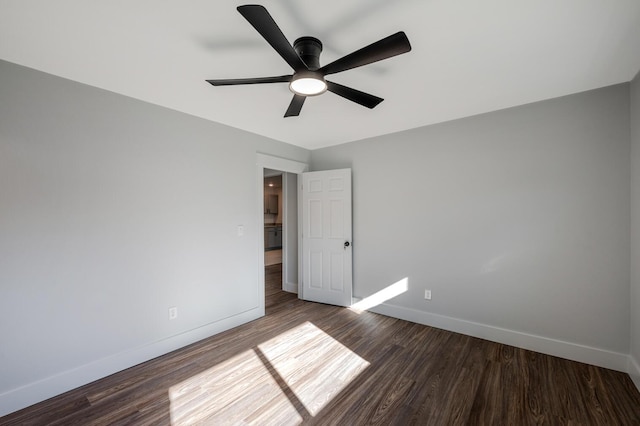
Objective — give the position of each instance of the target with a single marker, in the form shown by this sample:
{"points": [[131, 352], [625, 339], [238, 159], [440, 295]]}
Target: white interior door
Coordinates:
{"points": [[326, 237]]}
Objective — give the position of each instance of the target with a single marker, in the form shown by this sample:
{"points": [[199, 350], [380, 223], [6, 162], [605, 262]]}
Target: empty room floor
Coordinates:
{"points": [[309, 363]]}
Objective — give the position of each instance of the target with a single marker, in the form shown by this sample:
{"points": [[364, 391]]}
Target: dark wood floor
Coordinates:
{"points": [[308, 363]]}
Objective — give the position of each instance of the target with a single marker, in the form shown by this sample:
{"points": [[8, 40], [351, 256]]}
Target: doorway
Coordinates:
{"points": [[273, 230], [280, 220], [290, 170]]}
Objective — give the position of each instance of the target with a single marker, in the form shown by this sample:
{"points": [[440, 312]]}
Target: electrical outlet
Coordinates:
{"points": [[427, 294], [240, 230], [173, 313]]}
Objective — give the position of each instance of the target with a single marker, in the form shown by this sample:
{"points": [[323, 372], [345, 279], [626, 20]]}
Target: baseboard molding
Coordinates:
{"points": [[634, 371], [290, 287], [575, 352], [17, 399]]}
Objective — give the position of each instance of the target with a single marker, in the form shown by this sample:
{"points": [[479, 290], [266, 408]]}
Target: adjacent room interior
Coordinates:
{"points": [[156, 228]]}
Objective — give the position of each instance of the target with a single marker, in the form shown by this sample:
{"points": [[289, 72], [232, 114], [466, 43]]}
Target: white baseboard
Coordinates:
{"points": [[634, 371], [32, 393], [581, 353], [290, 287]]}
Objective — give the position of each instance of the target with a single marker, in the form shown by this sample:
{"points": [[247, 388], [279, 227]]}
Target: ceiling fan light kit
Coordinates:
{"points": [[308, 78], [308, 84]]}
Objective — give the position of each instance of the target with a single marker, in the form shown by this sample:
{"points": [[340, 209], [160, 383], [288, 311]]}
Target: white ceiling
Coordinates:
{"points": [[468, 56]]}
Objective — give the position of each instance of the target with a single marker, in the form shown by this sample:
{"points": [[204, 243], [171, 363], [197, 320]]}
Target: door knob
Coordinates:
{"points": [[346, 244]]}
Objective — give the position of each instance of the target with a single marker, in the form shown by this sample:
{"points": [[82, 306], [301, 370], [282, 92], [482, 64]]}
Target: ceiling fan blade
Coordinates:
{"points": [[354, 95], [393, 45], [263, 23], [295, 106], [257, 80]]}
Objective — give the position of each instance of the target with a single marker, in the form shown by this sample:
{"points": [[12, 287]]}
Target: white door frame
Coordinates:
{"points": [[265, 161]]}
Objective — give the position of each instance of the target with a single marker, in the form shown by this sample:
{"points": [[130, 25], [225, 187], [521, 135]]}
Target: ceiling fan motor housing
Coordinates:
{"points": [[309, 49]]}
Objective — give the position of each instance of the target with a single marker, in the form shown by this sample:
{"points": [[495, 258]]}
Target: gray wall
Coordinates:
{"points": [[634, 367], [517, 220], [111, 211]]}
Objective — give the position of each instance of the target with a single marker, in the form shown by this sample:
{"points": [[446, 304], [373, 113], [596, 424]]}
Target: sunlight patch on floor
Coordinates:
{"points": [[382, 296], [283, 381], [240, 390], [314, 366]]}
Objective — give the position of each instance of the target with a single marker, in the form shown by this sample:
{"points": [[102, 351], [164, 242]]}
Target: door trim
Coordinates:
{"points": [[266, 161]]}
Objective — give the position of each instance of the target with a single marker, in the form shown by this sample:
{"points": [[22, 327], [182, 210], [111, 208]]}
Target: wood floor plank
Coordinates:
{"points": [[309, 363]]}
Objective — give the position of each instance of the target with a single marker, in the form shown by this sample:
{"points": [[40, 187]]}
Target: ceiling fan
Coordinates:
{"points": [[308, 76]]}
